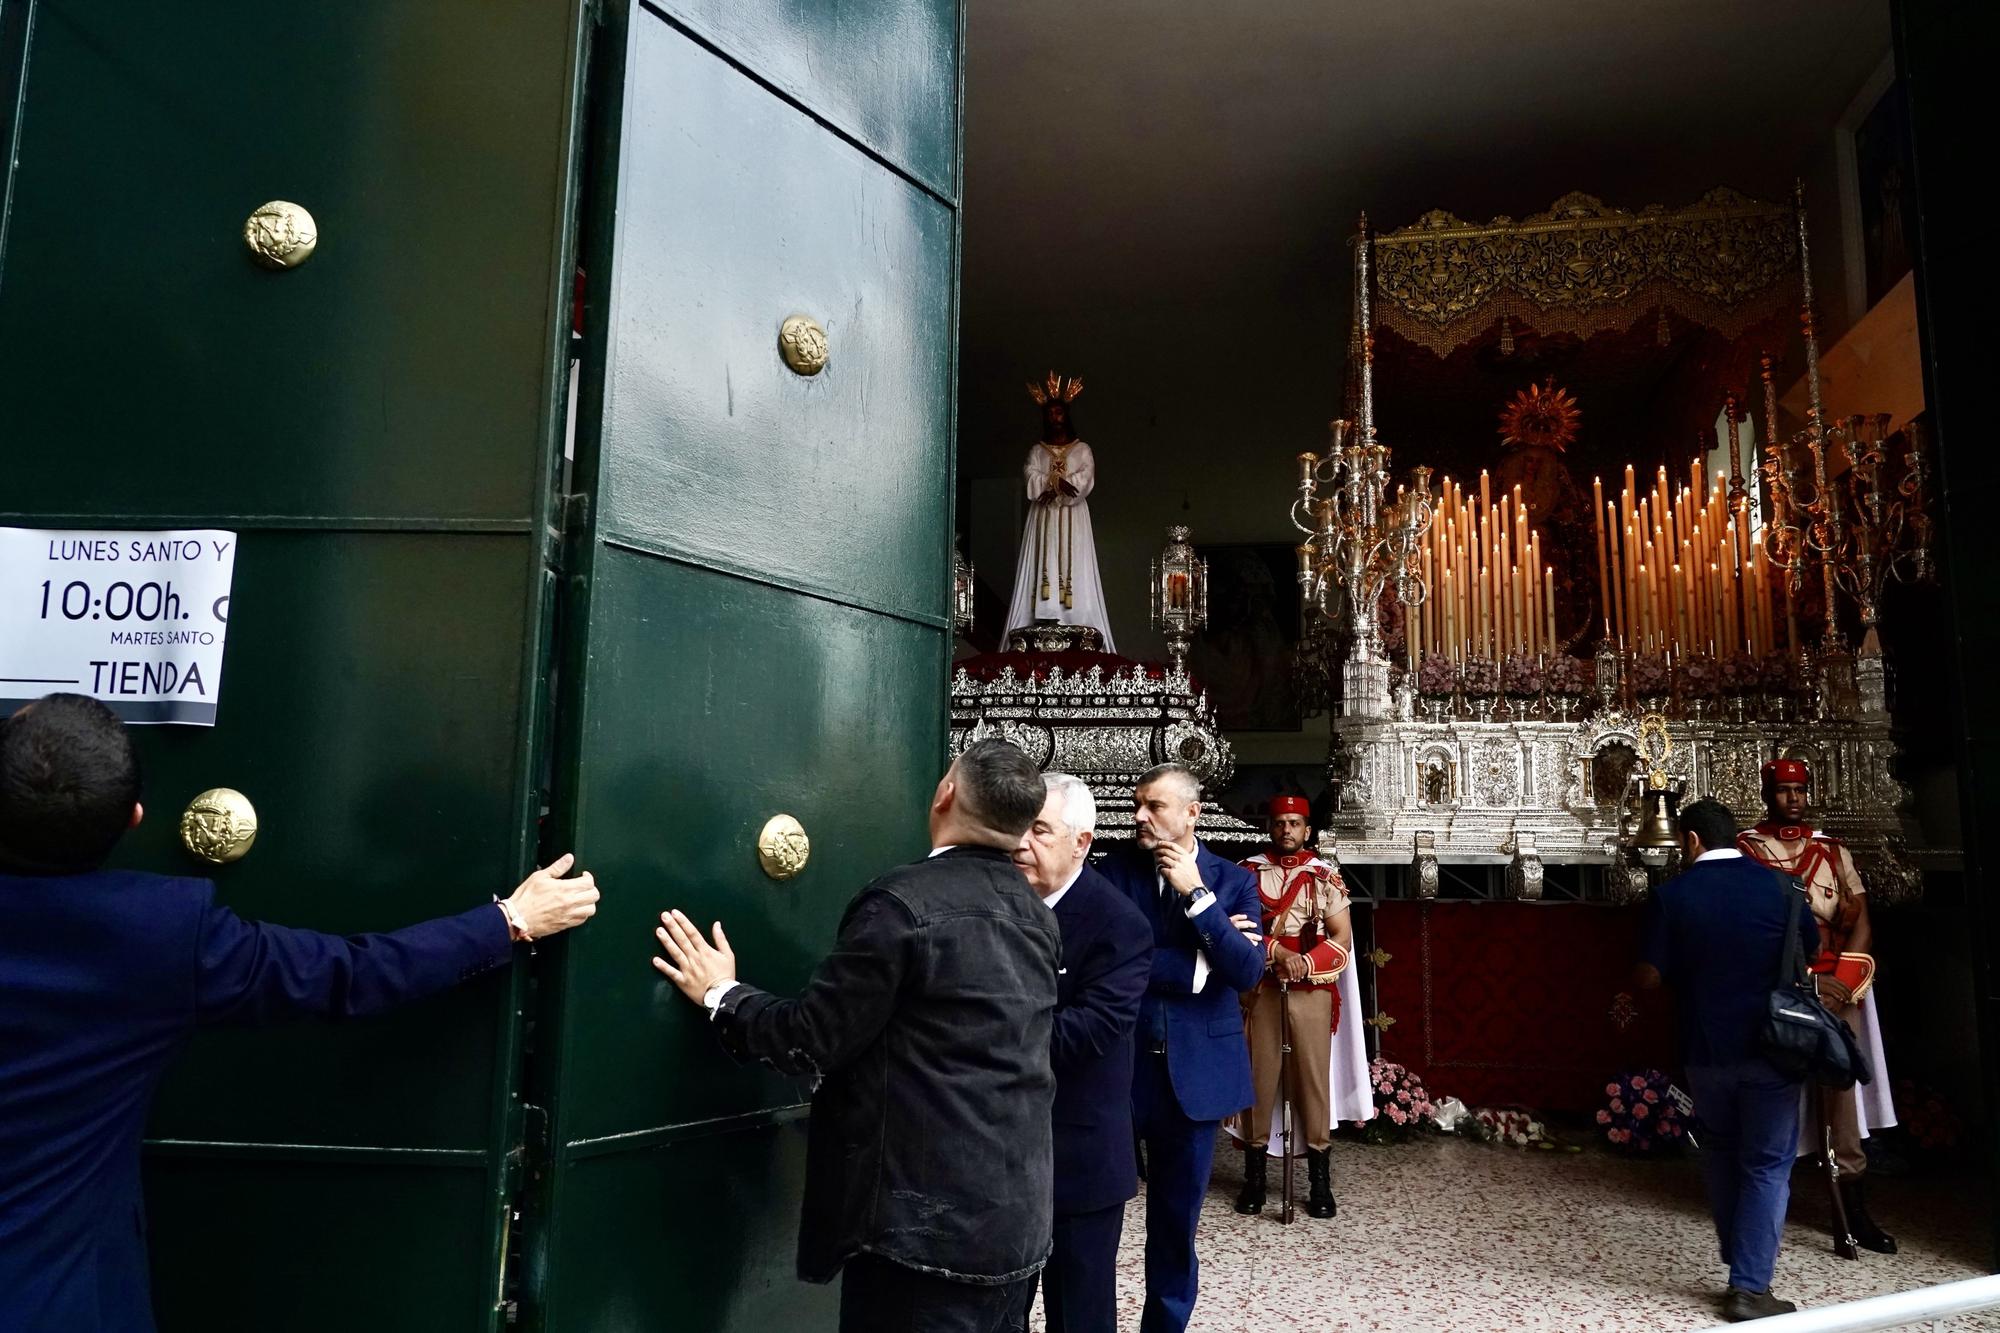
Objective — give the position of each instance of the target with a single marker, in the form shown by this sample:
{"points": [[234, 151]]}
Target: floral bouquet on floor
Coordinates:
{"points": [[1511, 1125], [1402, 1107], [1644, 1114], [1928, 1121]]}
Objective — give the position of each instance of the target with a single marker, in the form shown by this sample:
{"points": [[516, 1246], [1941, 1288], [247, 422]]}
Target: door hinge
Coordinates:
{"points": [[568, 523], [534, 1147]]}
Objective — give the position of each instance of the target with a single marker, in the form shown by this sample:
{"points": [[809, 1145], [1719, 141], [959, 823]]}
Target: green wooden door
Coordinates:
{"points": [[760, 607], [381, 426]]}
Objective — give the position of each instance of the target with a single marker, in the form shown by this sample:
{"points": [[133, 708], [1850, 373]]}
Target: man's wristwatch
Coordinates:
{"points": [[515, 929]]}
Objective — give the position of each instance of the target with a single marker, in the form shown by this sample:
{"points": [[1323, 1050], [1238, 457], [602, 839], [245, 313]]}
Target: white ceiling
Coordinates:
{"points": [[1119, 148]]}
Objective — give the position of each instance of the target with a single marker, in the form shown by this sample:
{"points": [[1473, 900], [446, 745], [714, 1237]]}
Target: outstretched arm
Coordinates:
{"points": [[252, 972], [845, 1005]]}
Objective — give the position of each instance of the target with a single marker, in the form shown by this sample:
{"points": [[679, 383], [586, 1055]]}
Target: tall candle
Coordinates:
{"points": [[1680, 609], [1549, 606], [1617, 604], [1603, 567]]}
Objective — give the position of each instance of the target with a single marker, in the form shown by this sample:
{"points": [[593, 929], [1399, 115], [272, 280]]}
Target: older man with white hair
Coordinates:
{"points": [[1107, 956]]}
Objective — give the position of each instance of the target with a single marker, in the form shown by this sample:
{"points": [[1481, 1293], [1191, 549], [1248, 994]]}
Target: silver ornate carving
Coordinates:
{"points": [[1504, 781], [1524, 872], [1424, 866], [1105, 727]]}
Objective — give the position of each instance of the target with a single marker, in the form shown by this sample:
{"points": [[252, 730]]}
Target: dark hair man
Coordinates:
{"points": [[1107, 955], [1716, 934], [1193, 1067], [1786, 841], [928, 1161], [103, 973]]}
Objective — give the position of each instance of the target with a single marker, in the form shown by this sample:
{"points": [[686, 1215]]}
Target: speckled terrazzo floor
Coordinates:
{"points": [[1442, 1234]]}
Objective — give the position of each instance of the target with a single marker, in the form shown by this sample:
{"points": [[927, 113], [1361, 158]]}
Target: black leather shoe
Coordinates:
{"points": [[1740, 1305], [1319, 1171], [1250, 1199], [1854, 1193]]}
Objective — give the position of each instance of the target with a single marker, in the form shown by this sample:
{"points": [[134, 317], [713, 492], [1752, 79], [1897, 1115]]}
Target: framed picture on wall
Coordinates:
{"points": [[1886, 189], [1244, 658], [1877, 189]]}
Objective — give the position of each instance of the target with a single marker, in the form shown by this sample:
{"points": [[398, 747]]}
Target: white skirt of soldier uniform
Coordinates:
{"points": [[1352, 1097], [1877, 1108]]}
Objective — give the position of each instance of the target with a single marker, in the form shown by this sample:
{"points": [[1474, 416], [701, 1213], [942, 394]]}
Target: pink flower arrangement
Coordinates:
{"points": [[1572, 675], [1781, 672], [1401, 1103], [1650, 674], [1481, 676], [1521, 675], [1643, 1113], [1700, 677], [1436, 675], [1928, 1119], [1741, 672]]}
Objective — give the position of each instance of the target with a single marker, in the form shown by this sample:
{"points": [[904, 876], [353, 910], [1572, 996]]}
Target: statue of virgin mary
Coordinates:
{"points": [[1056, 576]]}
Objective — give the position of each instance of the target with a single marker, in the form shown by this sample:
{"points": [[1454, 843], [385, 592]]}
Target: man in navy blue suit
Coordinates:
{"points": [[1193, 1065], [1716, 935], [1107, 951], [104, 973]]}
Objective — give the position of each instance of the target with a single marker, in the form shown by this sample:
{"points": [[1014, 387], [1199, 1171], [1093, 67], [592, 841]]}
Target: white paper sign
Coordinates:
{"points": [[136, 619]]}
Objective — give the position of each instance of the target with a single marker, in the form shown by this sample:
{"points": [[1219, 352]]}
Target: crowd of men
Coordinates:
{"points": [[1005, 1033]]}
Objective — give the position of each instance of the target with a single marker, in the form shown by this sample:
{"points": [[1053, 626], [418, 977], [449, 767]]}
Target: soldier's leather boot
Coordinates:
{"points": [[1854, 1193], [1319, 1172], [1250, 1199]]}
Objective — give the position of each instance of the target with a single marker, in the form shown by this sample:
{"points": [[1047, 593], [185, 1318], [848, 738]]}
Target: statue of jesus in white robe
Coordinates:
{"points": [[1056, 577]]}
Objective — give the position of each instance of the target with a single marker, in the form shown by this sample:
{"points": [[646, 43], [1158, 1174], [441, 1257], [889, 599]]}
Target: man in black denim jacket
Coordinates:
{"points": [[929, 1161]]}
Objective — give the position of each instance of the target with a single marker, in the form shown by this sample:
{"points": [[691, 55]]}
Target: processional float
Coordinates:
{"points": [[1491, 732]]}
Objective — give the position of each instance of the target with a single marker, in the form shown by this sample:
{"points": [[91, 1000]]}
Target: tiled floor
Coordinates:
{"points": [[1443, 1234]]}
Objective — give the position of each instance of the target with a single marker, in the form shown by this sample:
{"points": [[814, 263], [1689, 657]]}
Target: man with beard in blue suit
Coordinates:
{"points": [[1193, 1065], [1107, 951]]}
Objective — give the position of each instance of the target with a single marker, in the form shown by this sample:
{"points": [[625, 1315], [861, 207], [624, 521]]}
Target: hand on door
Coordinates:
{"points": [[697, 966], [547, 904]]}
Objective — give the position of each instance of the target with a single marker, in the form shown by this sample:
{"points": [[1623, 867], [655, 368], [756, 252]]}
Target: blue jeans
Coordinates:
{"points": [[1749, 1131]]}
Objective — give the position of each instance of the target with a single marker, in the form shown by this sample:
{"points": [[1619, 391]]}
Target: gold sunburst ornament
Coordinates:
{"points": [[1541, 415]]}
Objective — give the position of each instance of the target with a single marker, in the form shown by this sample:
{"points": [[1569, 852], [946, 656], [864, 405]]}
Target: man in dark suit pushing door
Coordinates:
{"points": [[105, 973], [1107, 951]]}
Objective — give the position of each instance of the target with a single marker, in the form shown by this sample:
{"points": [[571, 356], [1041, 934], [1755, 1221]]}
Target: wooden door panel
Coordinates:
{"points": [[371, 711], [885, 73], [760, 604], [730, 1267], [254, 1243], [399, 372], [751, 212], [714, 703]]}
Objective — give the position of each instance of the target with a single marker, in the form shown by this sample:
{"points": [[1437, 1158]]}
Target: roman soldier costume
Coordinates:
{"points": [[1302, 899], [1825, 867]]}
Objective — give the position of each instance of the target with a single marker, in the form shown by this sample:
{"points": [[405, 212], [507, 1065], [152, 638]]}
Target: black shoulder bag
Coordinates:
{"points": [[1800, 1036]]}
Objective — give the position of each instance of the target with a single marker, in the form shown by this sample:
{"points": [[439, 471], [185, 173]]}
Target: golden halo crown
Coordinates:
{"points": [[1055, 388], [1541, 414]]}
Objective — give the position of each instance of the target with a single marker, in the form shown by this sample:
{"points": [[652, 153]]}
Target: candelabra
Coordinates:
{"points": [[1358, 542], [1179, 594], [1859, 546]]}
